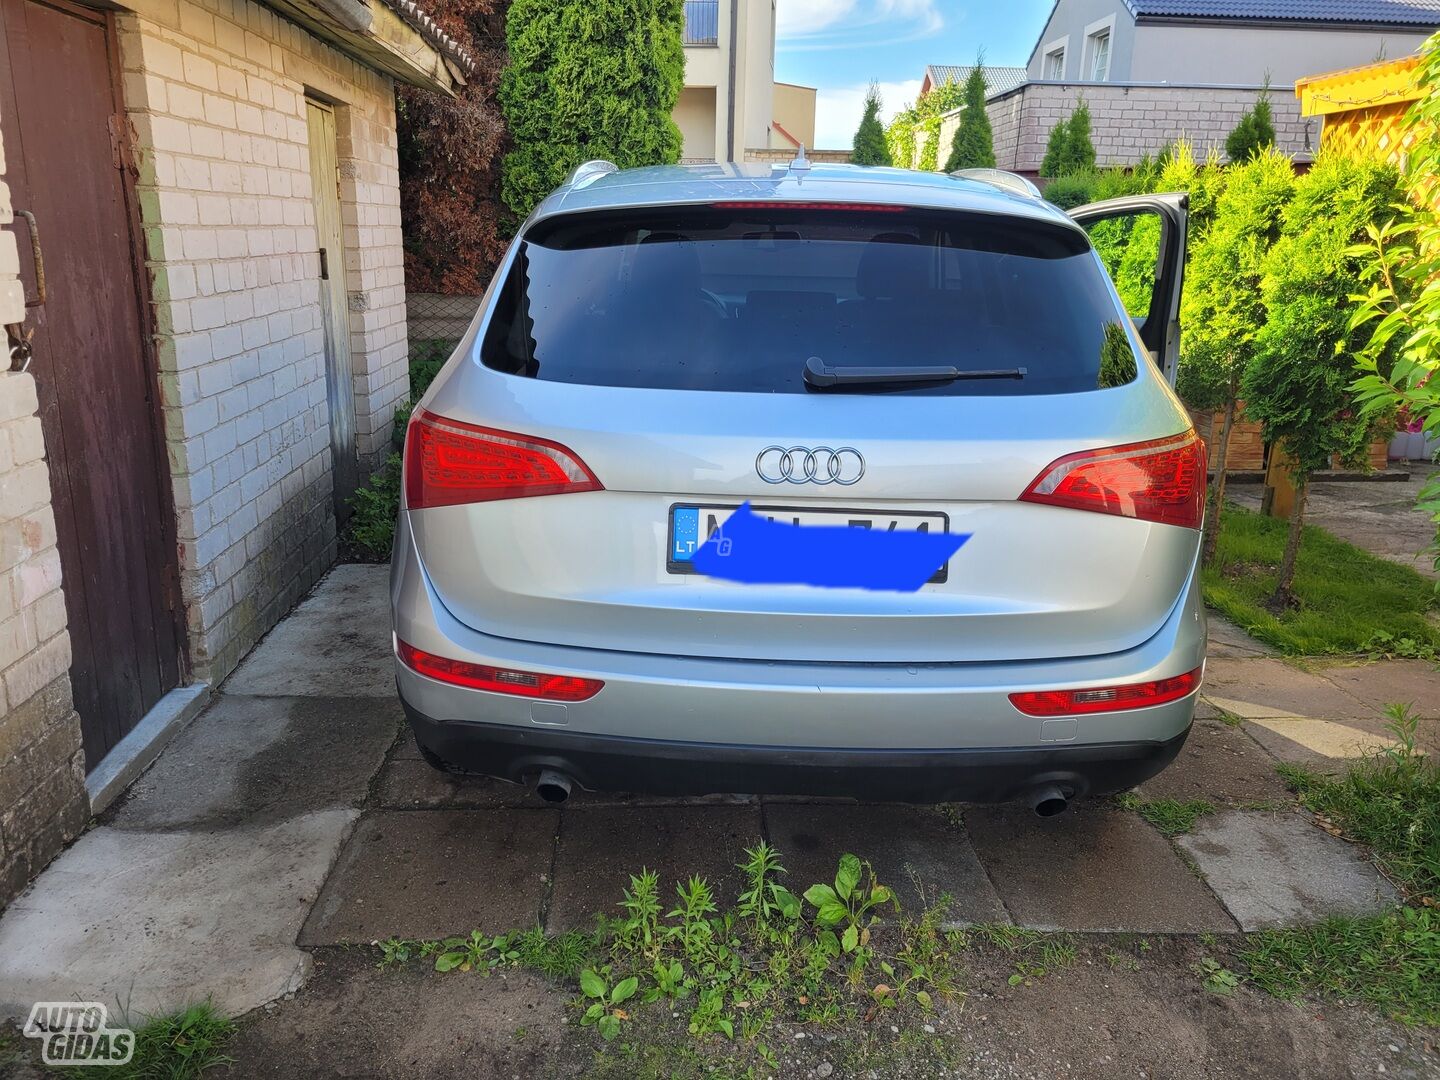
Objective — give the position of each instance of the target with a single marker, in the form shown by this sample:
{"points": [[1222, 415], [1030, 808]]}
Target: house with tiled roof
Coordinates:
{"points": [[997, 79], [1153, 71]]}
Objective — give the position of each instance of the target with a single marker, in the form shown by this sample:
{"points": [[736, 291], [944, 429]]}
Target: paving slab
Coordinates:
{"points": [[600, 847], [1384, 682], [1228, 640], [409, 783], [254, 760], [1220, 764], [161, 920], [435, 873], [1317, 742], [913, 849], [1263, 687], [336, 641], [1281, 870], [1090, 869]]}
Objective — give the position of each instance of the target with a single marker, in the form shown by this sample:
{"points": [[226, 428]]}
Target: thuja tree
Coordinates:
{"points": [[450, 151], [1070, 149], [1224, 312], [1255, 131], [1401, 308], [973, 146], [870, 147], [1298, 382], [589, 79]]}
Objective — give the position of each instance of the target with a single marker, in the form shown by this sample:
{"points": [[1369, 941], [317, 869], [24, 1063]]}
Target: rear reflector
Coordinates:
{"points": [[1106, 698], [448, 462], [528, 684], [1162, 481]]}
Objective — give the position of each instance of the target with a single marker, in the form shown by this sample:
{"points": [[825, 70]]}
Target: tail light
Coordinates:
{"points": [[1162, 481], [529, 684], [1107, 698], [449, 462]]}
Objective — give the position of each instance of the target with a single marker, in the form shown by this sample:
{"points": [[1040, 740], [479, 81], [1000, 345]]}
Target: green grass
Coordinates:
{"points": [[1171, 816], [1348, 598], [1391, 801], [1391, 961], [179, 1046]]}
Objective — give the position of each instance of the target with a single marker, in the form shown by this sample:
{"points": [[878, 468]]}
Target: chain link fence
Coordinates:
{"points": [[435, 318]]}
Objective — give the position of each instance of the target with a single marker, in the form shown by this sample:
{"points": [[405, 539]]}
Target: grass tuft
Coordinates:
{"points": [[1349, 600], [1173, 817], [1391, 961], [178, 1046]]}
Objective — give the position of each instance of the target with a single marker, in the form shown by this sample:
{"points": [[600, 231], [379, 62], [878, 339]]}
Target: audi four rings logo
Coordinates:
{"points": [[810, 465]]}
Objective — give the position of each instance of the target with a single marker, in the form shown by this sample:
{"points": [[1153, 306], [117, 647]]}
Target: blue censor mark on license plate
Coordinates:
{"points": [[753, 549]]}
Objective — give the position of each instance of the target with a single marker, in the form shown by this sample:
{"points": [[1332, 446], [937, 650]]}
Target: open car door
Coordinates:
{"points": [[1141, 239]]}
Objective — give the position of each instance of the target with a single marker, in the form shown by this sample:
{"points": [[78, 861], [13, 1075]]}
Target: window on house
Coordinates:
{"points": [[1055, 64], [1100, 56]]}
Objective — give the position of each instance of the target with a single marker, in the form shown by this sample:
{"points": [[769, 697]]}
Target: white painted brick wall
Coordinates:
{"points": [[216, 91]]}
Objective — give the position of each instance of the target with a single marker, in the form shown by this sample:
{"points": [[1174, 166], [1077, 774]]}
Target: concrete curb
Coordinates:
{"points": [[133, 754]]}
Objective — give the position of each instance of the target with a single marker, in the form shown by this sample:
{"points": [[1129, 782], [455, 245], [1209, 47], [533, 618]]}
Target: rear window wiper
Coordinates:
{"points": [[821, 375]]}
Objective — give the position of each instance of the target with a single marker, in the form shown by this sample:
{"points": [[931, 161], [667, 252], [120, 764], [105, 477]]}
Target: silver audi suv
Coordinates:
{"points": [[677, 367]]}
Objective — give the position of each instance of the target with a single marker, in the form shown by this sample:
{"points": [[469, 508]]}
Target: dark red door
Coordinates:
{"points": [[58, 104]]}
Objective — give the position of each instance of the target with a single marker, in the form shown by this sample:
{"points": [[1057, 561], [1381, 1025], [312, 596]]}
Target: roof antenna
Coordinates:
{"points": [[801, 162]]}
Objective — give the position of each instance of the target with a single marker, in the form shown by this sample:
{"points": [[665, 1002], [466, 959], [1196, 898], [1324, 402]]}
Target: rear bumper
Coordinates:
{"points": [[660, 767], [684, 725]]}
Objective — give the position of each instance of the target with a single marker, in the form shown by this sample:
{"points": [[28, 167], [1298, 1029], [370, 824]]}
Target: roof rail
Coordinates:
{"points": [[590, 171], [1001, 178]]}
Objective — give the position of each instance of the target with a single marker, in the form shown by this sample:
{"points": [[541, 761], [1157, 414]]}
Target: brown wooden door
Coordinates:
{"points": [[58, 104]]}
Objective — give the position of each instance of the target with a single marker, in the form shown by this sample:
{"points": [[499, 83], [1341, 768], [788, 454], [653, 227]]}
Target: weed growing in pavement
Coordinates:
{"points": [[1171, 816], [821, 956], [1390, 800], [1218, 978], [1384, 645], [1036, 953]]}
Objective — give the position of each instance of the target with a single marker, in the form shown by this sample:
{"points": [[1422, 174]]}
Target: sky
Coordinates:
{"points": [[840, 46]]}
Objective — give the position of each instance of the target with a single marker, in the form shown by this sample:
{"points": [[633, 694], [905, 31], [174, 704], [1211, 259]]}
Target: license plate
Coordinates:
{"points": [[691, 525]]}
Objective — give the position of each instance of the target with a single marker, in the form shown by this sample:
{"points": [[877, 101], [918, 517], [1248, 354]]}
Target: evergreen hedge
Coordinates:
{"points": [[589, 79]]}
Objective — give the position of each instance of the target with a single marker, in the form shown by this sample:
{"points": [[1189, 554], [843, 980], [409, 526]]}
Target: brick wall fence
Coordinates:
{"points": [[215, 90], [42, 768], [1130, 120], [784, 157]]}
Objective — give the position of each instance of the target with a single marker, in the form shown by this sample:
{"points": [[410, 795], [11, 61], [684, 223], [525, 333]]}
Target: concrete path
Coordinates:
{"points": [[295, 814]]}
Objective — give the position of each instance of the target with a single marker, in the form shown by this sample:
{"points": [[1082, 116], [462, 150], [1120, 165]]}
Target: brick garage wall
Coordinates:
{"points": [[215, 91], [1129, 121], [42, 768]]}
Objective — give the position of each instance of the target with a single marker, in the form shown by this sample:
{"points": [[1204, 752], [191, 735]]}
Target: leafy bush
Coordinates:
{"points": [[1254, 133], [449, 154], [588, 79], [1400, 310], [1068, 192], [370, 533], [1297, 384], [870, 145], [913, 137], [973, 146], [1223, 310]]}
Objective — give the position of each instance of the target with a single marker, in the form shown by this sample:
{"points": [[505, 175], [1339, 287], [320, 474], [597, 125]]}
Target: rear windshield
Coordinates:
{"points": [[739, 299]]}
